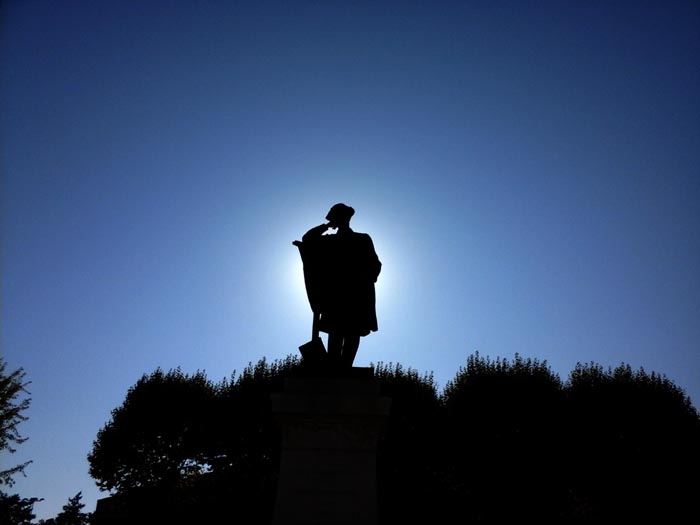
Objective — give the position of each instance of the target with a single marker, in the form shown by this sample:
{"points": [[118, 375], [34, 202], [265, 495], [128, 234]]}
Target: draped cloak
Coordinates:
{"points": [[340, 271]]}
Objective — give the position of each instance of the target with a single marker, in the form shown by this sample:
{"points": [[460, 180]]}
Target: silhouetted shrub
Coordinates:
{"points": [[183, 449], [160, 434], [15, 510], [506, 441], [635, 436], [408, 469], [248, 436], [503, 437]]}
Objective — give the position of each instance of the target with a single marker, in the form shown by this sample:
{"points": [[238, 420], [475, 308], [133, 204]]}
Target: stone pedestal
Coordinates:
{"points": [[330, 429]]}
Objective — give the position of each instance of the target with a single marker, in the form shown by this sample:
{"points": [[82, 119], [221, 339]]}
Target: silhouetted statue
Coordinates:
{"points": [[340, 270]]}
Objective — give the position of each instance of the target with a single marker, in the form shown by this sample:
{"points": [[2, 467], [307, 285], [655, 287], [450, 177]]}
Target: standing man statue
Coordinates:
{"points": [[340, 275]]}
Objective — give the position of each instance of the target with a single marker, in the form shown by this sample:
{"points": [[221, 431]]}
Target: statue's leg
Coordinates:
{"points": [[350, 345], [335, 347]]}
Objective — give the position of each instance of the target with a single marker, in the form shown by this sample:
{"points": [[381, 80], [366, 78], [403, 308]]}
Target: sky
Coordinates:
{"points": [[529, 173]]}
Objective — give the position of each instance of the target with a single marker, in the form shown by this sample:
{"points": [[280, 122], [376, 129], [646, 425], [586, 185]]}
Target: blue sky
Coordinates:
{"points": [[528, 171]]}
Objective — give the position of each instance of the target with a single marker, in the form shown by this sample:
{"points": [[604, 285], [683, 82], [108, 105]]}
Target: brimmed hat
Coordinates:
{"points": [[340, 213]]}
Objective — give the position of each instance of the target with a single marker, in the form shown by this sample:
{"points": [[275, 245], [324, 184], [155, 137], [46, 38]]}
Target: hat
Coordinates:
{"points": [[340, 213]]}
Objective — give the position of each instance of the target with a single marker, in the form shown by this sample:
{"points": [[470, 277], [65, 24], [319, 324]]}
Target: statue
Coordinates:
{"points": [[340, 271]]}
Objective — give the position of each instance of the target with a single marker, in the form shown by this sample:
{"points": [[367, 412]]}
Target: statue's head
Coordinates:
{"points": [[340, 214]]}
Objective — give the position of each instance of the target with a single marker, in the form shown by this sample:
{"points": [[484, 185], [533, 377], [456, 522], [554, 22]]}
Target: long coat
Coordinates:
{"points": [[340, 271]]}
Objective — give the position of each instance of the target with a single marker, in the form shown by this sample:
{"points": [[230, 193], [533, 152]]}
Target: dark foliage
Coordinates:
{"points": [[71, 514], [408, 467], [12, 388], [247, 465], [15, 510], [506, 441], [159, 436], [211, 498], [212, 448], [634, 440], [502, 440], [612, 445]]}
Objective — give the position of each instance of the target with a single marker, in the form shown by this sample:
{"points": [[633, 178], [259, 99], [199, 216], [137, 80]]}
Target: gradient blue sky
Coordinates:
{"points": [[529, 172]]}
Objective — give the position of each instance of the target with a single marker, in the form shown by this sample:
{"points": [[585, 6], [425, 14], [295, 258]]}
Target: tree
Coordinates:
{"points": [[614, 445], [635, 435], [506, 441], [159, 436], [502, 440], [13, 401], [181, 445], [15, 510], [407, 467], [12, 387], [71, 514], [174, 427], [242, 446]]}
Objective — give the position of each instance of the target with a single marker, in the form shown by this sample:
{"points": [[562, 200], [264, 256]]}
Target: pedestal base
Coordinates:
{"points": [[330, 428]]}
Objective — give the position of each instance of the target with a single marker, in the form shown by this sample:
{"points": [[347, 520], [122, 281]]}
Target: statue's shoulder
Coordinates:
{"points": [[368, 238], [361, 237]]}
